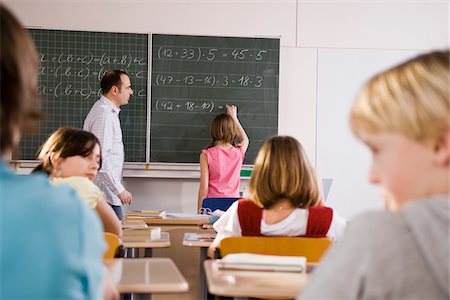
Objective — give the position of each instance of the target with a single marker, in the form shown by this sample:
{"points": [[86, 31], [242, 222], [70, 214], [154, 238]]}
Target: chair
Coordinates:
{"points": [[218, 203], [311, 248], [113, 243]]}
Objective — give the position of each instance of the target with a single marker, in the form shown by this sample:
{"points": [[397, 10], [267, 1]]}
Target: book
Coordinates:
{"points": [[186, 216], [261, 262], [201, 237], [134, 224], [142, 214], [152, 232]]}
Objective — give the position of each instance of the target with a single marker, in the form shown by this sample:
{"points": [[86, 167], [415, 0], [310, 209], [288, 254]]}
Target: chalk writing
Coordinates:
{"points": [[211, 54], [208, 80], [188, 105], [72, 64], [59, 71]]}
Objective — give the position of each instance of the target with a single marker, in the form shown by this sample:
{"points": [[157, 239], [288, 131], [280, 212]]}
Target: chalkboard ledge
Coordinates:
{"points": [[139, 170]]}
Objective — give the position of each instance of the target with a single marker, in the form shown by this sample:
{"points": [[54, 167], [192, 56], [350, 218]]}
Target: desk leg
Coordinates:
{"points": [[132, 253], [148, 252], [203, 289], [136, 296]]}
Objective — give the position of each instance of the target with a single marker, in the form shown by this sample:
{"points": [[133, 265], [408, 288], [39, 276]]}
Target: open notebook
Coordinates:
{"points": [[260, 262]]}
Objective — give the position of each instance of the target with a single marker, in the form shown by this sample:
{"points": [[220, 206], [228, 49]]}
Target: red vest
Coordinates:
{"points": [[250, 216]]}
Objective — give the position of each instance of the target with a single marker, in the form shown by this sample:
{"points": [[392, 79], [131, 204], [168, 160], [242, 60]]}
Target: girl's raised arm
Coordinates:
{"points": [[232, 111]]}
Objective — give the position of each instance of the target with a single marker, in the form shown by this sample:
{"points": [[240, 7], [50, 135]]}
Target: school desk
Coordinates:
{"points": [[134, 243], [186, 258], [200, 240], [176, 221], [145, 276], [258, 284]]}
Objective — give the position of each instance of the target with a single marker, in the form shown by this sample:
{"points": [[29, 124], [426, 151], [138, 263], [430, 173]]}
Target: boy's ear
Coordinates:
{"points": [[442, 148]]}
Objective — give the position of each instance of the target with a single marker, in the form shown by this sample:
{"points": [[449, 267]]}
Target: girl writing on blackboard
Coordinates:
{"points": [[221, 162], [73, 157]]}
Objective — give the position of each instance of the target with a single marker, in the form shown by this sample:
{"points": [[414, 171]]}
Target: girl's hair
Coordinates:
{"points": [[282, 171], [66, 142], [223, 128], [411, 98]]}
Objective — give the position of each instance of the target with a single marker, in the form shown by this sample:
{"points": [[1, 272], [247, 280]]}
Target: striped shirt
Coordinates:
{"points": [[103, 121]]}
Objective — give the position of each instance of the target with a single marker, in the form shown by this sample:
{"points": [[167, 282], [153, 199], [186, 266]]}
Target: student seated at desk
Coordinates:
{"points": [[285, 198], [403, 115], [45, 251], [72, 156]]}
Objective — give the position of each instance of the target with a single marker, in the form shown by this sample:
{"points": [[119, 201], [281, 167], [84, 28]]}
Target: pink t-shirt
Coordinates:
{"points": [[224, 166]]}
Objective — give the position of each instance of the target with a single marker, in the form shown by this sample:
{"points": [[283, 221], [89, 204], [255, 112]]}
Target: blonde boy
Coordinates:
{"points": [[403, 116]]}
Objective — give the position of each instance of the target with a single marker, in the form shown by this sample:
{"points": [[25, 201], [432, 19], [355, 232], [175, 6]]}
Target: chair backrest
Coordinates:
{"points": [[218, 203], [112, 245], [311, 248]]}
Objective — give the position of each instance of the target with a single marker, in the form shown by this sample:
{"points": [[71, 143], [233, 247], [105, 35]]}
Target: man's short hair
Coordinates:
{"points": [[110, 79]]}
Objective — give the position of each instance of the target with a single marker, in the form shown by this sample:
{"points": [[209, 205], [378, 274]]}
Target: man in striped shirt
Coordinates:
{"points": [[103, 121]]}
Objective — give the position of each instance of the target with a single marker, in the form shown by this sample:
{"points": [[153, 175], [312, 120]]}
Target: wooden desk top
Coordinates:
{"points": [[146, 275], [253, 283], [194, 239], [146, 242], [169, 220], [176, 221]]}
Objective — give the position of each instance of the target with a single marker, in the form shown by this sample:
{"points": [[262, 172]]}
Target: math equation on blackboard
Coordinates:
{"points": [[60, 71], [210, 54]]}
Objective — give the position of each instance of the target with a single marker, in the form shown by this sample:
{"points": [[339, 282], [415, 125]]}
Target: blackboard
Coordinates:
{"points": [[72, 64], [194, 77]]}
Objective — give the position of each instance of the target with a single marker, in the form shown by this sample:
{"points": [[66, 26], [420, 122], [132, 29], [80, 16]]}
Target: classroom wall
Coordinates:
{"points": [[309, 31]]}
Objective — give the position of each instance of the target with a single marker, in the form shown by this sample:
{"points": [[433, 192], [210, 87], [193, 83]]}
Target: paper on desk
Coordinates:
{"points": [[142, 214], [201, 237], [260, 262], [186, 216]]}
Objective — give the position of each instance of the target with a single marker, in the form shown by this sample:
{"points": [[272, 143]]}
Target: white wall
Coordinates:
{"points": [[306, 29]]}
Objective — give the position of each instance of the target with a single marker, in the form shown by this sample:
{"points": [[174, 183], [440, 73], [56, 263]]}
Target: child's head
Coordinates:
{"points": [[71, 152], [18, 91], [411, 99], [223, 128], [282, 171], [403, 115]]}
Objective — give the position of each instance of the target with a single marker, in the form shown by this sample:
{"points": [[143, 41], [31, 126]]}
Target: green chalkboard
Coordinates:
{"points": [[194, 77], [72, 64]]}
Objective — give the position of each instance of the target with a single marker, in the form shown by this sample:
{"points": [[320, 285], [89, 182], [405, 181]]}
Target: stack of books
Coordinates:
{"points": [[145, 214], [134, 224], [154, 233], [261, 262]]}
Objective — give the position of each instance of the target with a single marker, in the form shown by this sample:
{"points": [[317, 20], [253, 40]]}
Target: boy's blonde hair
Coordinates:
{"points": [[411, 98], [282, 171]]}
